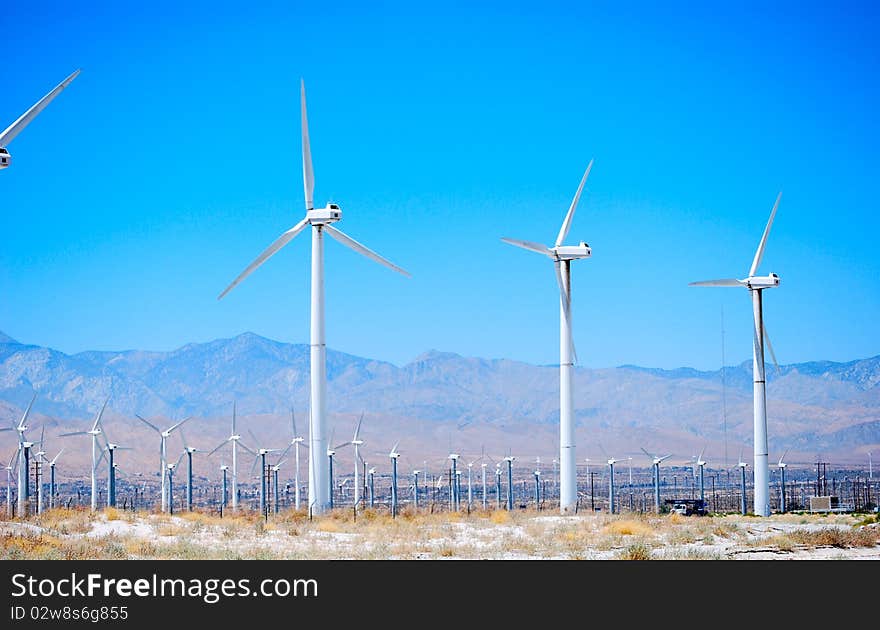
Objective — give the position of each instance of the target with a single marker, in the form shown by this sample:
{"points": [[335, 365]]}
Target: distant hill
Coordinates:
{"points": [[441, 397]]}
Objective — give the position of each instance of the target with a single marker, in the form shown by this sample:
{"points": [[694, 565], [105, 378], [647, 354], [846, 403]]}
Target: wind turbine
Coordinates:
{"points": [[756, 285], [509, 459], [170, 469], [537, 483], [260, 455], [416, 488], [224, 469], [394, 455], [39, 456], [562, 255], [470, 501], [655, 462], [356, 442], [781, 465], [233, 438], [9, 467], [295, 443], [453, 485], [700, 464], [372, 473], [16, 128], [110, 448], [498, 485], [320, 219], [190, 451], [275, 469], [742, 469], [23, 486], [163, 460], [611, 462], [95, 431]]}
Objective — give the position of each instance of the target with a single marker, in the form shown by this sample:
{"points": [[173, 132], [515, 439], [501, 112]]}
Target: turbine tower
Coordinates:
{"points": [[562, 255], [756, 285], [781, 465], [24, 120], [163, 459], [320, 219], [95, 431]]}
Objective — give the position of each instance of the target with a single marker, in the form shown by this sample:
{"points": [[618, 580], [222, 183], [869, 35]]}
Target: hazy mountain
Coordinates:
{"points": [[440, 397]]}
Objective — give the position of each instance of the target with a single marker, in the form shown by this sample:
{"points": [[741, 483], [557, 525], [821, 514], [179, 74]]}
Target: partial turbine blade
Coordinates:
{"points": [[357, 429], [217, 448], [725, 282], [308, 173], [245, 447], [770, 348], [148, 423], [100, 414], [74, 433], [760, 252], [15, 128], [566, 224], [353, 244], [178, 424], [26, 412], [529, 245], [270, 251], [566, 305]]}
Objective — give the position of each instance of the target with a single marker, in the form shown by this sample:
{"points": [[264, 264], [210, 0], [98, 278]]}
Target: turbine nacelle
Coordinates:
{"points": [[571, 252], [761, 282], [331, 213], [5, 158]]}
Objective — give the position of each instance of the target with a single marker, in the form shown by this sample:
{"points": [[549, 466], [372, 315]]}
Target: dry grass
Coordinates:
{"points": [[374, 534]]}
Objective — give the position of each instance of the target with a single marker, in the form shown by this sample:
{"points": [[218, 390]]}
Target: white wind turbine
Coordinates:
{"points": [[233, 438], [756, 285], [562, 255], [320, 219], [13, 461], [781, 465], [163, 459], [295, 443], [655, 467], [356, 442], [23, 447], [95, 431], [15, 128]]}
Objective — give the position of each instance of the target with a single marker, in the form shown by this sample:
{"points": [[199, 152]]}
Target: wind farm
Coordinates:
{"points": [[474, 407]]}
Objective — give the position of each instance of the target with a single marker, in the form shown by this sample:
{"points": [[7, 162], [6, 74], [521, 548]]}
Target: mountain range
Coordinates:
{"points": [[442, 400]]}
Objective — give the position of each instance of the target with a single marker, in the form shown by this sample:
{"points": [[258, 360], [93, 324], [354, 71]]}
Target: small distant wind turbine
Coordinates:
{"points": [[415, 474], [781, 465], [562, 255], [170, 469], [95, 431], [190, 451], [700, 465], [655, 463], [355, 442], [321, 220], [394, 455], [742, 469], [275, 470], [52, 491], [537, 483], [163, 460], [13, 461], [24, 120], [611, 462], [296, 441], [260, 455], [453, 486], [233, 438], [756, 285], [110, 448], [509, 459]]}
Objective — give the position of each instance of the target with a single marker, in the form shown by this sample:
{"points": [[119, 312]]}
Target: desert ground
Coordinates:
{"points": [[525, 534]]}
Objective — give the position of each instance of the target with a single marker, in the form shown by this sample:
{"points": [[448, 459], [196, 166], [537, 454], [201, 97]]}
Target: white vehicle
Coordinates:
{"points": [[15, 128]]}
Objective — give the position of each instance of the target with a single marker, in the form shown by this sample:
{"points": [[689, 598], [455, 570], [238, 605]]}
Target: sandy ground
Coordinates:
{"points": [[498, 536]]}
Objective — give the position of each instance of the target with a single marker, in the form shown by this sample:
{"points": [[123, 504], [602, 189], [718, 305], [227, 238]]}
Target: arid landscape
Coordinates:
{"points": [[526, 534]]}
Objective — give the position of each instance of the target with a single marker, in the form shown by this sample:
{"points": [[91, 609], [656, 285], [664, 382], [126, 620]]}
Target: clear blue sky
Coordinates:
{"points": [[174, 159]]}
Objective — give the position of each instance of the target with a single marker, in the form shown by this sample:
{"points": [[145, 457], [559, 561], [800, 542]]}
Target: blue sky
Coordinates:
{"points": [[174, 159]]}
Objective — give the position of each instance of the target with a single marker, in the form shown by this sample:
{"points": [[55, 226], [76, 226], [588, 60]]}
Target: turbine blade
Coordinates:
{"points": [[253, 437], [529, 245], [353, 244], [233, 417], [183, 438], [245, 447], [178, 424], [770, 348], [357, 429], [293, 422], [26, 413], [339, 446], [217, 448], [285, 451], [74, 433], [100, 414], [394, 448], [759, 254], [270, 251], [725, 282], [16, 128], [566, 306], [566, 224], [308, 173], [148, 423], [55, 459]]}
